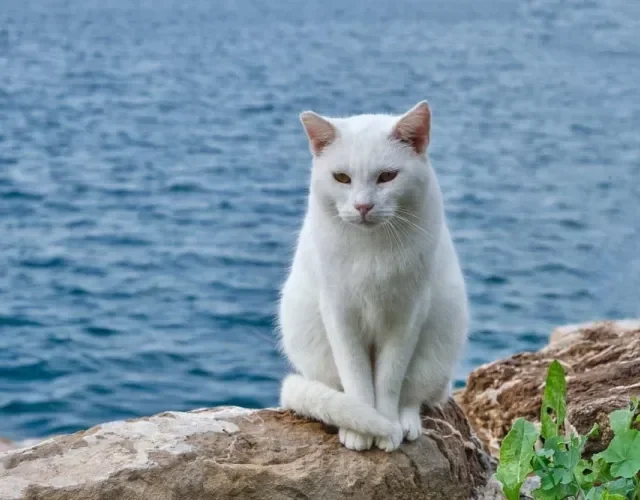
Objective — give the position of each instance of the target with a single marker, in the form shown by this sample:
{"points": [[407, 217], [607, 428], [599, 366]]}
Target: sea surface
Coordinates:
{"points": [[153, 176]]}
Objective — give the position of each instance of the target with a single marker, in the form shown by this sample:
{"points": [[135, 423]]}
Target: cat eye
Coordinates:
{"points": [[342, 178], [387, 176]]}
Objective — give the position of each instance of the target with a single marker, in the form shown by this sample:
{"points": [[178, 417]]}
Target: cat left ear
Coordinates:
{"points": [[414, 127], [320, 131]]}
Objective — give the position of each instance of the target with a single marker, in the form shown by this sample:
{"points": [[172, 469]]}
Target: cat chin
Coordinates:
{"points": [[366, 225]]}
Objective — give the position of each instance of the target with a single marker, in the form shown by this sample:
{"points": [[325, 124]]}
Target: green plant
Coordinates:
{"points": [[555, 455]]}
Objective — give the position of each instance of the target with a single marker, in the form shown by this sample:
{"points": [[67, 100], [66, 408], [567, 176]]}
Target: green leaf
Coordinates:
{"points": [[600, 470], [568, 459], [553, 401], [560, 490], [623, 454], [557, 444], [594, 432], [620, 420], [622, 486], [547, 481], [595, 493], [544, 453], [516, 452], [625, 469], [541, 494], [612, 496], [584, 473]]}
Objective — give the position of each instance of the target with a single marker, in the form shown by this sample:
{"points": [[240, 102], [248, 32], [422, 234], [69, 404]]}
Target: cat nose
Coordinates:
{"points": [[363, 208]]}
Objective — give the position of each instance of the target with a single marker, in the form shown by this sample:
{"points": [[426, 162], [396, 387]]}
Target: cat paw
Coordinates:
{"points": [[354, 440], [411, 424], [392, 441]]}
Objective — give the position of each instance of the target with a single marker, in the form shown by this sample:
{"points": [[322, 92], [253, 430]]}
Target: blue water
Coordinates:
{"points": [[153, 175]]}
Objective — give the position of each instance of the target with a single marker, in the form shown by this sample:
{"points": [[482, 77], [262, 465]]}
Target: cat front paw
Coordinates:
{"points": [[392, 441], [411, 423], [354, 440]]}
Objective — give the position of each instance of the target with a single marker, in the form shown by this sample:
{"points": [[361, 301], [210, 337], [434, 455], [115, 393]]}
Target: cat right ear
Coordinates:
{"points": [[320, 131], [414, 128]]}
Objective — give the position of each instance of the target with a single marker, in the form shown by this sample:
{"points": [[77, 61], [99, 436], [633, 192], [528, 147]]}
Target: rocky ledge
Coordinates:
{"points": [[602, 365], [225, 453], [244, 454]]}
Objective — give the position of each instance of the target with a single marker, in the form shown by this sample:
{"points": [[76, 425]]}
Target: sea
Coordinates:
{"points": [[153, 177]]}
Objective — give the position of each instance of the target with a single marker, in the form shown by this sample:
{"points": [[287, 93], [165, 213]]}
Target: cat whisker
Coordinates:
{"points": [[429, 236], [398, 232], [397, 237], [410, 214], [388, 233]]}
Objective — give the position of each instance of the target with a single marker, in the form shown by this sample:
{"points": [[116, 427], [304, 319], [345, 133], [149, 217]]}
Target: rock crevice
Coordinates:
{"points": [[602, 364]]}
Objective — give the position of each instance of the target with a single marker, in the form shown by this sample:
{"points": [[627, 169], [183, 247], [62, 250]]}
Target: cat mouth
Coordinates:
{"points": [[365, 223]]}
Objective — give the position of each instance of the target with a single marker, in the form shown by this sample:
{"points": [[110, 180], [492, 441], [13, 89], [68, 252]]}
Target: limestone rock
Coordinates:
{"points": [[493, 490], [6, 445], [245, 454], [602, 363]]}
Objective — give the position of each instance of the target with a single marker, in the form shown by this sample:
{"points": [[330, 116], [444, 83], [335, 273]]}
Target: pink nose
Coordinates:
{"points": [[363, 208]]}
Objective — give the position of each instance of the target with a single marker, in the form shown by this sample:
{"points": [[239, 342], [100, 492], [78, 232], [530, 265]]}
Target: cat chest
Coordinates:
{"points": [[378, 302], [375, 313], [376, 292]]}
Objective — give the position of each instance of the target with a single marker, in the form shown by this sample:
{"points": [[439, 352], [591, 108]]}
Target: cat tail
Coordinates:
{"points": [[318, 401]]}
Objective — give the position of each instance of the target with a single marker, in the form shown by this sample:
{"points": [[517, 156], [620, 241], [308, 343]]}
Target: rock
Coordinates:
{"points": [[246, 454], [602, 363], [6, 445], [493, 490]]}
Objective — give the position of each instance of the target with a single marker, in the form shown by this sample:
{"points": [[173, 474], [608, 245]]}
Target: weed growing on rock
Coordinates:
{"points": [[554, 453]]}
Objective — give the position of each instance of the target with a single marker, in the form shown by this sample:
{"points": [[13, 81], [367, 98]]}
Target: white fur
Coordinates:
{"points": [[372, 316]]}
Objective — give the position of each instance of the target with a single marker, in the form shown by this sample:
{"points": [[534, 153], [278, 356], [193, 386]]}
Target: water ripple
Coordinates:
{"points": [[153, 176]]}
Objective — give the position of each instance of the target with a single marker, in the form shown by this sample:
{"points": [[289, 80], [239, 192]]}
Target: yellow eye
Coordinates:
{"points": [[342, 178], [387, 176]]}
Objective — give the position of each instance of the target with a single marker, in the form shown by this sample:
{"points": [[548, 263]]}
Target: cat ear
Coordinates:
{"points": [[414, 128], [320, 131]]}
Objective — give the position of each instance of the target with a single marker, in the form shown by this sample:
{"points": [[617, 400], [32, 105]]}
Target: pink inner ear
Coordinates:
{"points": [[321, 132], [414, 128]]}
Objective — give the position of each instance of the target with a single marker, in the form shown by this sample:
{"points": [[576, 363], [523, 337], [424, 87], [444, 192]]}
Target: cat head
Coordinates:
{"points": [[368, 169]]}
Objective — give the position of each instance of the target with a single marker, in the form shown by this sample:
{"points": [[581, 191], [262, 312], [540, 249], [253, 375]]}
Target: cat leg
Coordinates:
{"points": [[391, 364], [320, 367], [352, 359], [414, 392], [431, 370], [306, 343]]}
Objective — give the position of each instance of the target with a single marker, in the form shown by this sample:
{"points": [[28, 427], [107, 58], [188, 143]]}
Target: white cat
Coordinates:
{"points": [[373, 315]]}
